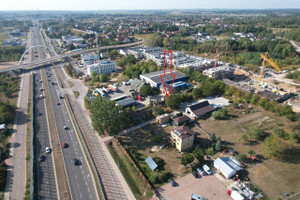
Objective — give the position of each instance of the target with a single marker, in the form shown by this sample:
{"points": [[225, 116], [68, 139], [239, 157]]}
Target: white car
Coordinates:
{"points": [[206, 169], [48, 150], [200, 171]]}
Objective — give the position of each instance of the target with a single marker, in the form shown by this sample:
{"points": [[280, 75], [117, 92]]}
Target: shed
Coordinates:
{"points": [[163, 118], [227, 166]]}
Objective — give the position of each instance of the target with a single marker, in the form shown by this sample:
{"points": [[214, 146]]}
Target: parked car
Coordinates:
{"points": [[206, 169], [64, 145], [48, 150], [42, 158], [172, 182], [195, 174], [76, 161], [200, 171]]}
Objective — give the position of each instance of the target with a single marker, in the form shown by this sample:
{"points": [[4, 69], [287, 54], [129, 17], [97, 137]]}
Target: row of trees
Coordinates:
{"points": [[107, 117], [6, 113], [8, 85], [102, 77], [11, 53]]}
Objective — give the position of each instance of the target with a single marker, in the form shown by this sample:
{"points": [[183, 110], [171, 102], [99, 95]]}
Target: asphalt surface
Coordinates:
{"points": [[46, 184], [80, 178]]}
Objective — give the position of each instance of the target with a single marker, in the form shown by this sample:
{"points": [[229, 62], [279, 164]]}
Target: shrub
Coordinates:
{"points": [[187, 159], [241, 157]]}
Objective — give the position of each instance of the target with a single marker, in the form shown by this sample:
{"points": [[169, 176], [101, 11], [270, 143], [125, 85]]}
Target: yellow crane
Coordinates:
{"points": [[266, 58]]}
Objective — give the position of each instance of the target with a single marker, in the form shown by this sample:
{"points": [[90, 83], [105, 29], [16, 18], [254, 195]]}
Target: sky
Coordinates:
{"points": [[145, 4]]}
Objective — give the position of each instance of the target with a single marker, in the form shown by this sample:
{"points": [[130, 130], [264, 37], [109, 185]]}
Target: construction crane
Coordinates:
{"points": [[229, 52], [266, 58]]}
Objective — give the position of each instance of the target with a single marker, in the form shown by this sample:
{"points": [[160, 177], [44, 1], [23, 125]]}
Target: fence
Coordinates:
{"points": [[32, 160]]}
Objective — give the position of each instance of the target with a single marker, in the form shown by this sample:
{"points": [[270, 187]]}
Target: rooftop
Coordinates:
{"points": [[155, 76], [183, 132]]}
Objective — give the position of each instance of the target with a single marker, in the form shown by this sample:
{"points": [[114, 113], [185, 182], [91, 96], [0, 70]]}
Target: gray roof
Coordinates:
{"points": [[155, 76], [137, 84], [126, 102], [151, 163]]}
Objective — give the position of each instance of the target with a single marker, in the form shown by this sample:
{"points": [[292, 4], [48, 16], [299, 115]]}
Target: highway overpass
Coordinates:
{"points": [[46, 61]]}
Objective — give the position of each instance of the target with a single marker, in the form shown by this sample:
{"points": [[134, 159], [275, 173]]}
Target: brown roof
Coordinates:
{"points": [[183, 132], [201, 108], [181, 119]]}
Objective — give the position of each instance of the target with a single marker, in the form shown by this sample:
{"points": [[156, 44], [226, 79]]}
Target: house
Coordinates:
{"points": [[183, 138], [199, 109], [228, 166], [163, 118], [180, 120]]}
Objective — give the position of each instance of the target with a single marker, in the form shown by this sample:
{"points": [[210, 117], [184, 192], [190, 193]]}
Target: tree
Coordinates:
{"points": [[244, 138], [173, 101], [241, 157], [273, 147], [103, 78], [187, 159], [199, 155], [107, 118], [258, 133], [209, 151], [113, 53], [197, 92], [94, 76], [212, 138], [251, 152], [220, 114], [146, 90]]}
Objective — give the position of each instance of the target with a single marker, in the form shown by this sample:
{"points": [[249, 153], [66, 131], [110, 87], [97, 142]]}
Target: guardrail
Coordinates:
{"points": [[85, 146], [32, 160]]}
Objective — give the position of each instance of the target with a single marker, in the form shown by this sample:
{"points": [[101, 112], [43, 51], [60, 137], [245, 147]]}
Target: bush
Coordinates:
{"points": [[258, 133], [209, 151], [187, 159], [273, 147], [241, 157], [220, 114], [280, 132]]}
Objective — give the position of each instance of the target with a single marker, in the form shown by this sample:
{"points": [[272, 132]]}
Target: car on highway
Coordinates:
{"points": [[48, 150], [76, 161], [66, 128], [64, 145], [41, 89], [41, 81], [42, 158], [61, 97], [57, 103], [40, 113], [41, 96], [200, 171]]}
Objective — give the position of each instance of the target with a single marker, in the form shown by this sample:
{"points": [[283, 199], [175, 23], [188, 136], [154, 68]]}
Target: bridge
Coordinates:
{"points": [[39, 63]]}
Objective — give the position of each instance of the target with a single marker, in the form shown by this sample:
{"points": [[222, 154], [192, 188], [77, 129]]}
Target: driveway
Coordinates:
{"points": [[208, 186]]}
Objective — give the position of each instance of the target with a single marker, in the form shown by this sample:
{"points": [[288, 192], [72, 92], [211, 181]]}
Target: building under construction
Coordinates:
{"points": [[218, 73]]}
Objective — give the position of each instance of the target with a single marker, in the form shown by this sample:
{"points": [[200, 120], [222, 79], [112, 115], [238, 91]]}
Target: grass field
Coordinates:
{"points": [[273, 177]]}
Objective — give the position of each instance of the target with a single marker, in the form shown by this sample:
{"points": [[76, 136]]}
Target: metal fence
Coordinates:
{"points": [[32, 156]]}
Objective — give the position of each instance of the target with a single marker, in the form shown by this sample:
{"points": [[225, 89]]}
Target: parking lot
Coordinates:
{"points": [[124, 90], [207, 186]]}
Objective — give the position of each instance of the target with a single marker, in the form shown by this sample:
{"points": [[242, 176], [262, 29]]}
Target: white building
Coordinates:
{"points": [[88, 58], [68, 39], [103, 67], [228, 166]]}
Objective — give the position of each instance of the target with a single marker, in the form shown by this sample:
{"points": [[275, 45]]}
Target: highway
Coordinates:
{"points": [[45, 169], [46, 61], [80, 179], [46, 183]]}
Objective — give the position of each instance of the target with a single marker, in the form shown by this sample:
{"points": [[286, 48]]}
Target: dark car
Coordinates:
{"points": [[76, 161], [172, 182], [195, 174], [40, 113], [61, 97], [42, 158]]}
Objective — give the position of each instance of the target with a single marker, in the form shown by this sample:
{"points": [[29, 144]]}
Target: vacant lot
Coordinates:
{"points": [[273, 177], [148, 140]]}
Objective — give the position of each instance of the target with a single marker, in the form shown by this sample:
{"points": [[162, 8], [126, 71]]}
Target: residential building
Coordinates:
{"points": [[88, 58], [183, 138], [199, 109], [221, 72], [228, 166], [102, 67], [154, 79]]}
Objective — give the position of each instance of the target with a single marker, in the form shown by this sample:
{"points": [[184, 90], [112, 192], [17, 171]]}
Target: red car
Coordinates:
{"points": [[64, 145], [57, 103]]}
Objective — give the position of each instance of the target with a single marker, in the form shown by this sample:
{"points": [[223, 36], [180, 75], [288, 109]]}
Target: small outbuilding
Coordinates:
{"points": [[228, 166]]}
